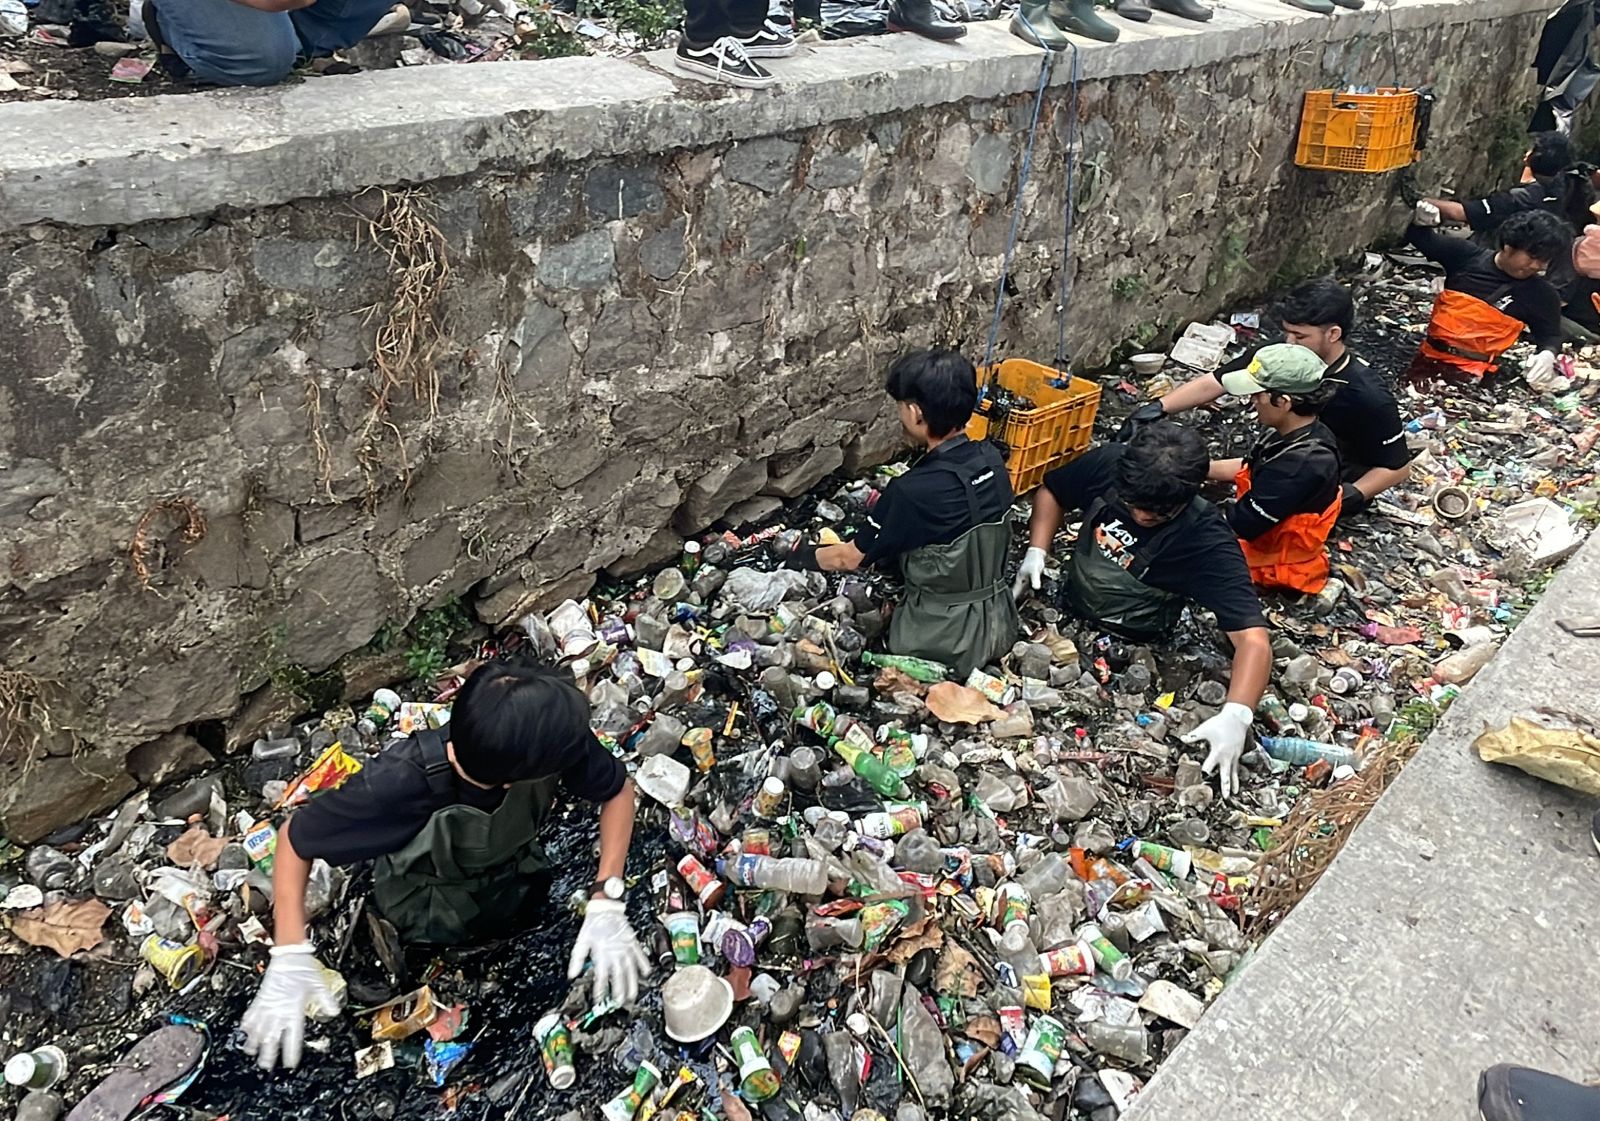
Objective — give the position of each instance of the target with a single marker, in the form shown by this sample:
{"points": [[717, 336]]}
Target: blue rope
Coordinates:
{"points": [[1016, 209]]}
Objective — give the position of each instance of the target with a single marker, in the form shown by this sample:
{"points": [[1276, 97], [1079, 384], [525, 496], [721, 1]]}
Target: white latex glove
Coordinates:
{"points": [[1032, 569], [1225, 734], [619, 960], [1540, 374], [275, 1022], [1425, 214]]}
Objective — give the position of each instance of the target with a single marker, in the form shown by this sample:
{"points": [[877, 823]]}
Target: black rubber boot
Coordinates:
{"points": [[1321, 7], [1353, 5], [1188, 9], [1136, 10], [1032, 24], [919, 16], [1080, 18], [1513, 1093]]}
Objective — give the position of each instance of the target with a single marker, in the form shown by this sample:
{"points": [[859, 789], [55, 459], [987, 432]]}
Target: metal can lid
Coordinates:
{"points": [[20, 1068]]}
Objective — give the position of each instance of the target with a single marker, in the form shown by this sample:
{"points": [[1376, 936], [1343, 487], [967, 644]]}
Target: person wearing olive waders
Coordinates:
{"points": [[452, 818], [1490, 297], [1287, 489], [1148, 546], [944, 525]]}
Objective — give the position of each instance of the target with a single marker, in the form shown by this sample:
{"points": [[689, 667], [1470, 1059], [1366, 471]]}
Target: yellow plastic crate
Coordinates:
{"points": [[1363, 132], [1055, 431]]}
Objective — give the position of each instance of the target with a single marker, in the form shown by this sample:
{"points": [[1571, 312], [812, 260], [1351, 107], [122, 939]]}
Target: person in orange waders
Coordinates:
{"points": [[1490, 297], [1288, 490]]}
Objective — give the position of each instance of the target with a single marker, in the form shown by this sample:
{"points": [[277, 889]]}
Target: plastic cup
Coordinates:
{"points": [[683, 929], [1036, 1062], [555, 1048]]}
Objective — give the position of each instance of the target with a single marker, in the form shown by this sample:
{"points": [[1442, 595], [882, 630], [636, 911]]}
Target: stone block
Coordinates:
{"points": [[431, 556], [365, 672], [767, 164], [587, 261], [834, 169], [172, 756], [314, 267], [796, 476], [625, 335], [756, 509], [661, 254], [26, 482], [271, 706], [663, 546], [617, 191], [544, 349], [725, 482], [59, 791], [334, 603]]}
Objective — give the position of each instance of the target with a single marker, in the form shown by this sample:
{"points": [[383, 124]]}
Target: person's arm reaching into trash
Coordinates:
{"points": [[1224, 734], [1070, 488], [606, 938], [1451, 252], [1361, 492], [1224, 470], [275, 1023], [1446, 209]]}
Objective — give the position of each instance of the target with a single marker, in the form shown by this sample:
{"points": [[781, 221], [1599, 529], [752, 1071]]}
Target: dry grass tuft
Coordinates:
{"points": [[1315, 832]]}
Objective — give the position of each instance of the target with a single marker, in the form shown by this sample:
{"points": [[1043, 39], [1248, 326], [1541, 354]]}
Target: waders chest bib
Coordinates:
{"points": [[1104, 594], [958, 608], [468, 874], [1292, 555], [1469, 334]]}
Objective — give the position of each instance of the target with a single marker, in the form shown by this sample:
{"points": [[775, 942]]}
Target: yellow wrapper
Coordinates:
{"points": [[1036, 992], [330, 770]]}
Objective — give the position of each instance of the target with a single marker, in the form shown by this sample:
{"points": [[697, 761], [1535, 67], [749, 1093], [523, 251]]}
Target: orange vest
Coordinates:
{"points": [[1468, 334], [1291, 554]]}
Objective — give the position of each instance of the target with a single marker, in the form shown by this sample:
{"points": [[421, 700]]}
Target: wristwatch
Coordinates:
{"points": [[611, 888]]}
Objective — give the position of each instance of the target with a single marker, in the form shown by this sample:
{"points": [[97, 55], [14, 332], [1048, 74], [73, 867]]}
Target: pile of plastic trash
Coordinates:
{"points": [[871, 890]]}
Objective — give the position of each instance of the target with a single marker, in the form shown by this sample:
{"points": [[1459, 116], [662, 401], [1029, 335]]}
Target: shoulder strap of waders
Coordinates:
{"points": [[436, 763]]}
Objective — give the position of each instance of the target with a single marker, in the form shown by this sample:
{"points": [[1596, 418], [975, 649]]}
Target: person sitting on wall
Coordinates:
{"points": [[452, 818], [1287, 489], [258, 42], [1148, 546], [1362, 413], [1491, 297], [945, 525]]}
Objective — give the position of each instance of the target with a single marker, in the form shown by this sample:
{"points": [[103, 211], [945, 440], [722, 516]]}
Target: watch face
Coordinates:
{"points": [[614, 887]]}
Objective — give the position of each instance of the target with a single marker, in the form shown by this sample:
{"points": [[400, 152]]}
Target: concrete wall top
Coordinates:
{"points": [[119, 162]]}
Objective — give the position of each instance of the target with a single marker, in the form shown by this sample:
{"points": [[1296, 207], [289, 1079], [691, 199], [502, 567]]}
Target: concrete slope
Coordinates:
{"points": [[1459, 927]]}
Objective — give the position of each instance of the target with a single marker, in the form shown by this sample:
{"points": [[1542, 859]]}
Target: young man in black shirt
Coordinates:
{"points": [[1551, 181], [944, 525], [1490, 297], [1362, 413], [452, 818], [1288, 487], [1148, 545]]}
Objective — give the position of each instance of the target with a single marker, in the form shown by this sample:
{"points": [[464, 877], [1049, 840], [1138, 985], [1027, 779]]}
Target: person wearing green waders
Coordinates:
{"points": [[944, 526], [451, 816]]}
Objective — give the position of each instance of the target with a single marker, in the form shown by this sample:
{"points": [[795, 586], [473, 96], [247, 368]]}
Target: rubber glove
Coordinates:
{"points": [[1142, 417], [1540, 374], [275, 1023], [1028, 574], [1352, 500], [608, 940], [1425, 214], [1225, 734]]}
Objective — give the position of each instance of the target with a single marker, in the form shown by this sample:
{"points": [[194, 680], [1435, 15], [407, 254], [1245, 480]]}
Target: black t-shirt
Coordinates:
{"points": [[1293, 474], [1470, 269], [381, 807], [928, 505], [1488, 212], [1202, 563], [1363, 415]]}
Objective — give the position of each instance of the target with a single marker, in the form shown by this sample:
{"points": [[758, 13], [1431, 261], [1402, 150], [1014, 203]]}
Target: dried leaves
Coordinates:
{"points": [[65, 928]]}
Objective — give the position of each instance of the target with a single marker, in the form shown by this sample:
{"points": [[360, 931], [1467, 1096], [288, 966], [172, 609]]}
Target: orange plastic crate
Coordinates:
{"points": [[1056, 430], [1366, 132]]}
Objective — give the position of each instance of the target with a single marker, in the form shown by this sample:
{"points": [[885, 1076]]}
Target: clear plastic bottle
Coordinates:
{"points": [[1048, 876], [824, 933], [775, 873]]}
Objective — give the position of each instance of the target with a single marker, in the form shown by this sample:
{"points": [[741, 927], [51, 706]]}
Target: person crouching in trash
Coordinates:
{"points": [[944, 526], [1287, 491], [1148, 546], [451, 816]]}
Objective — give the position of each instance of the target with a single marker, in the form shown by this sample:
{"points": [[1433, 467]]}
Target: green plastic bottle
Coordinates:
{"points": [[877, 773], [918, 669]]}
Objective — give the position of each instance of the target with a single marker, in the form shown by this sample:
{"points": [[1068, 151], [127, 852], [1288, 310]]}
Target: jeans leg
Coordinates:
{"points": [[745, 17], [704, 21], [229, 43], [332, 25]]}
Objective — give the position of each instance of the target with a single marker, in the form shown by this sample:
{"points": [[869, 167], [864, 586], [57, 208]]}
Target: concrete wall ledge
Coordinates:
{"points": [[190, 154]]}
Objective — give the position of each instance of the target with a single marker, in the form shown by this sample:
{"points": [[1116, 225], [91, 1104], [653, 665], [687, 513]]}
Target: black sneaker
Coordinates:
{"points": [[724, 61], [771, 40], [1513, 1093]]}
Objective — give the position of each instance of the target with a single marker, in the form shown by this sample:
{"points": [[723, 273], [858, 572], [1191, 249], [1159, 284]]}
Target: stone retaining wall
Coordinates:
{"points": [[665, 304]]}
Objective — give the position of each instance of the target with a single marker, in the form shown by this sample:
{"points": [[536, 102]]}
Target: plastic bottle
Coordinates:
{"points": [[1299, 752], [824, 933], [1128, 1042], [1046, 877], [774, 873], [844, 1069], [805, 768], [385, 703], [286, 748], [918, 669], [871, 768], [1017, 948]]}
